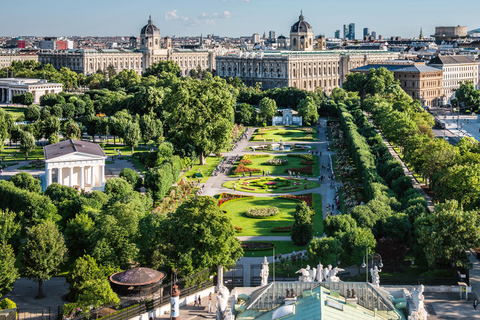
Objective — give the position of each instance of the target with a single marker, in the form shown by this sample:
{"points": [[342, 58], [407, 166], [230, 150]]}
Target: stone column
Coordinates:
{"points": [[49, 176], [92, 178], [59, 176], [82, 177], [102, 170], [70, 178]]}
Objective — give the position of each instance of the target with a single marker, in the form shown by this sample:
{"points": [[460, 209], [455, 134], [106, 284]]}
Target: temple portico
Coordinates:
{"points": [[76, 164]]}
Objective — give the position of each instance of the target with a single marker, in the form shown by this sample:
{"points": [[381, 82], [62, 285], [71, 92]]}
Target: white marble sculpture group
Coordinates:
{"points": [[319, 274], [264, 272]]}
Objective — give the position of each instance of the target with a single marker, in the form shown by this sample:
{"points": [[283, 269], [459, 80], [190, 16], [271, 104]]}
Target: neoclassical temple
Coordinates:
{"points": [[76, 164], [38, 87]]}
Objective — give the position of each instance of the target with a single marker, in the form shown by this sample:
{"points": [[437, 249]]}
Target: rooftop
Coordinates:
{"points": [[72, 146]]}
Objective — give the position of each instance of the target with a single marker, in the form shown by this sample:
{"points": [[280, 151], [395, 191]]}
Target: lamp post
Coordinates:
{"points": [[365, 261]]}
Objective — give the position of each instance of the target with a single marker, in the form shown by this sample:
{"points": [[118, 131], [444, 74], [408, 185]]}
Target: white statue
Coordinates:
{"points": [[305, 274], [326, 273], [417, 296], [222, 299], [319, 272], [312, 275], [333, 274], [264, 272], [375, 276]]}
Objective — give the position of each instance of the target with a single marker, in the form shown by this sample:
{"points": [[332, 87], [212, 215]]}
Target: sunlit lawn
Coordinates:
{"points": [[15, 111], [293, 163], [285, 135], [260, 227], [318, 217], [10, 154], [239, 184], [205, 170], [281, 247]]}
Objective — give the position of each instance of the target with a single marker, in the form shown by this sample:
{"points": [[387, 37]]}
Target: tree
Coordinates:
{"points": [[326, 250], [307, 109], [148, 127], [43, 253], [52, 126], [268, 108], [117, 187], [339, 224], [132, 135], [8, 273], [392, 251], [338, 95], [132, 177], [26, 98], [447, 233], [245, 114], [71, 130], [97, 293], [79, 235], [468, 96], [302, 229], [32, 113], [161, 68], [68, 110], [355, 82], [200, 113], [159, 180], [201, 236], [9, 226], [24, 180], [27, 143], [354, 244]]}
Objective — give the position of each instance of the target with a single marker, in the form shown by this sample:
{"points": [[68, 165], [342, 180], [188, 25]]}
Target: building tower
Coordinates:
{"points": [[351, 31], [301, 35], [421, 34], [321, 43], [150, 39]]}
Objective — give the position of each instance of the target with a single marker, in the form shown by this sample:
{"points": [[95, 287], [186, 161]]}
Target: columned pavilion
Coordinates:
{"points": [[76, 164]]}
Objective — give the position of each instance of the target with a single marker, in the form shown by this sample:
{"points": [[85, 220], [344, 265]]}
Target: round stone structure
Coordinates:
{"points": [[137, 281]]}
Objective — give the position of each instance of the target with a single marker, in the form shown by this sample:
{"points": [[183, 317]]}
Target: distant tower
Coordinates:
{"points": [[321, 43], [167, 42], [301, 35], [150, 37], [282, 42], [421, 34]]}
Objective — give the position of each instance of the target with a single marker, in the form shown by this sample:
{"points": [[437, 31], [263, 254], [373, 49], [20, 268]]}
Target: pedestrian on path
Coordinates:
{"points": [[195, 302], [210, 302], [199, 300], [475, 304]]}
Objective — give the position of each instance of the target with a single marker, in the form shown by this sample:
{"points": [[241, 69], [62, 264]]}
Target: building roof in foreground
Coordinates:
{"points": [[72, 146], [451, 60], [137, 277], [407, 67]]}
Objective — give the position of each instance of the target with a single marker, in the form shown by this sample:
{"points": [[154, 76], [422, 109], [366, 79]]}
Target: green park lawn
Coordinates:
{"points": [[284, 134], [260, 227], [10, 154], [271, 184], [281, 247], [205, 170], [307, 148], [276, 170], [15, 111]]}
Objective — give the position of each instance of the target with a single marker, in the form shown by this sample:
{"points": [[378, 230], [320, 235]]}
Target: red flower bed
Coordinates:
{"points": [[242, 168], [246, 161], [224, 197], [271, 183], [308, 169], [308, 198], [282, 229]]}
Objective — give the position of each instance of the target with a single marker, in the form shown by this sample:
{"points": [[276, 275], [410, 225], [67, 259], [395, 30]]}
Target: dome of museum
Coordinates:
{"points": [[301, 25], [150, 29]]}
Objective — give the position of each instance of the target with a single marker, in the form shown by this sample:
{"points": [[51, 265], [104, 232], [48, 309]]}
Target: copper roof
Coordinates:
{"points": [[71, 146], [137, 277]]}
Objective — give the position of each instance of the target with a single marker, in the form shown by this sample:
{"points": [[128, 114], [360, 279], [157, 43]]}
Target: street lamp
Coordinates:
{"points": [[372, 257]]}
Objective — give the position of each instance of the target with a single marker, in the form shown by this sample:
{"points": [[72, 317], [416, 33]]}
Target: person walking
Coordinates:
{"points": [[199, 300], [475, 304], [210, 302], [195, 302]]}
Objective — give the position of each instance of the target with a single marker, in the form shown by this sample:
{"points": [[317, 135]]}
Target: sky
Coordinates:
{"points": [[231, 17]]}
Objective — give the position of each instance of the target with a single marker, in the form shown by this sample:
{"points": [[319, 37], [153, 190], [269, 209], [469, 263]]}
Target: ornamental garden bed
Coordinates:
{"points": [[285, 134], [270, 184], [237, 208], [257, 246], [259, 164]]}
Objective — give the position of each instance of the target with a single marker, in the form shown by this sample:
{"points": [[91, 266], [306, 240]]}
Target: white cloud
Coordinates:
{"points": [[172, 15], [227, 14], [245, 0]]}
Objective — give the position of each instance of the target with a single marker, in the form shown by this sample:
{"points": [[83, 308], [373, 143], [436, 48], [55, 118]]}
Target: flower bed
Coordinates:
{"points": [[282, 229], [308, 169], [271, 183], [242, 168], [237, 229], [257, 246], [277, 162], [304, 156], [251, 156], [224, 197], [308, 198], [246, 161], [262, 212]]}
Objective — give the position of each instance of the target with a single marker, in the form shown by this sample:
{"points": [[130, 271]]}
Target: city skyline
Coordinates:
{"points": [[230, 17]]}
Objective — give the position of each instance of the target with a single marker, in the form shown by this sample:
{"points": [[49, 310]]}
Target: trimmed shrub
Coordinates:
{"points": [[261, 212]]}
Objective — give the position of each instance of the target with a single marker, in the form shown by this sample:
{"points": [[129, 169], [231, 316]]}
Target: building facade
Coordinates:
{"points": [[152, 49], [13, 86], [456, 70], [7, 58], [301, 67], [418, 80]]}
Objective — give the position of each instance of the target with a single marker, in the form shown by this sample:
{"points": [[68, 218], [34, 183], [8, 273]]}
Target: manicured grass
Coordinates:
{"points": [[318, 217], [111, 150], [284, 151], [260, 227], [283, 185], [206, 170], [281, 247], [285, 135], [15, 111], [260, 163], [9, 154], [343, 210]]}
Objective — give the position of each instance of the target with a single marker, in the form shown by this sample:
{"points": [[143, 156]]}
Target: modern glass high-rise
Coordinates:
{"points": [[366, 32], [271, 35], [373, 35], [345, 32], [337, 34], [351, 31]]}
